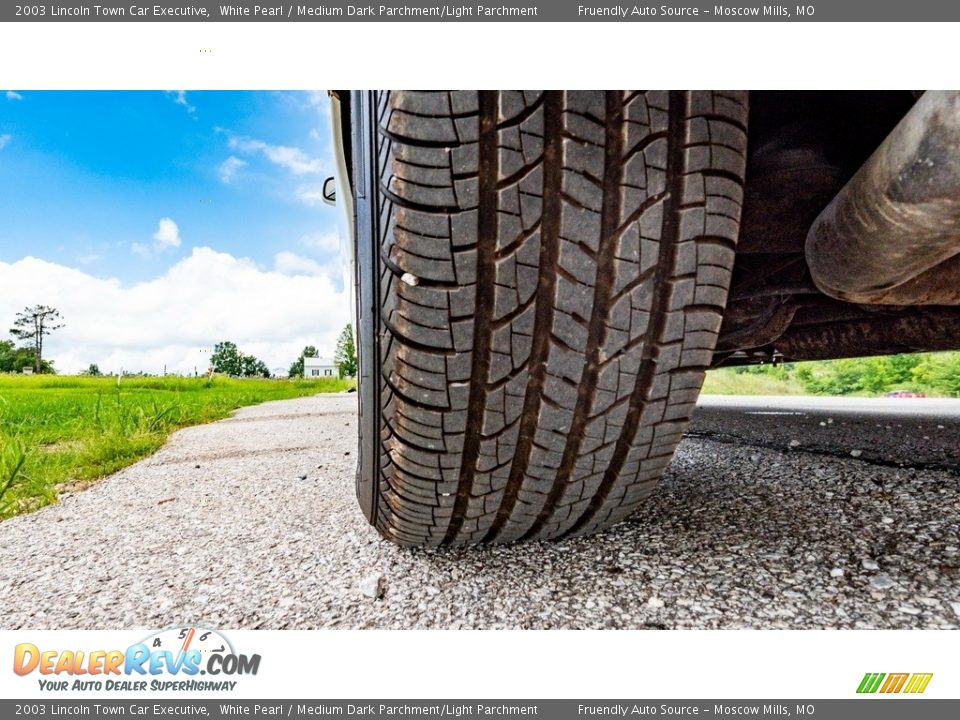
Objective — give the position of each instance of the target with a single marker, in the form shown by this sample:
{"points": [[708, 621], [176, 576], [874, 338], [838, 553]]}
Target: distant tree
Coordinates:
{"points": [[251, 367], [940, 372], [26, 358], [296, 369], [93, 370], [901, 366], [7, 355], [228, 360], [14, 359], [32, 325], [345, 357]]}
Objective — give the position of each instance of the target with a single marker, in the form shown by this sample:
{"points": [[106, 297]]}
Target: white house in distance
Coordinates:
{"points": [[318, 367]]}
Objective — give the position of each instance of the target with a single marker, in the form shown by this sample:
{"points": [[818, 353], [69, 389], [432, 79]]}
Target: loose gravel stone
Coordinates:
{"points": [[870, 565], [731, 530], [373, 586], [881, 582]]}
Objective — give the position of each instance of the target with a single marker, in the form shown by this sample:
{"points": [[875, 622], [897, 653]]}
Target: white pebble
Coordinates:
{"points": [[881, 582], [373, 586]]}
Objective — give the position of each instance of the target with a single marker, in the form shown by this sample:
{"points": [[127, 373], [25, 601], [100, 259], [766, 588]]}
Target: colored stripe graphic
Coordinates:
{"points": [[894, 683], [918, 682], [870, 682]]}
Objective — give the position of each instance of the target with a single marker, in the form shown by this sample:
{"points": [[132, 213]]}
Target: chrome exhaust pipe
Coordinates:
{"points": [[891, 236]]}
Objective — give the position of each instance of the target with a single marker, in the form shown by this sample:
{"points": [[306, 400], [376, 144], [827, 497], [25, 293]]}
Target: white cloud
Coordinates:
{"points": [[202, 299], [322, 241], [11, 95], [293, 159], [167, 237], [167, 234], [290, 263], [325, 246], [229, 167], [320, 100], [5, 140], [310, 194], [180, 98]]}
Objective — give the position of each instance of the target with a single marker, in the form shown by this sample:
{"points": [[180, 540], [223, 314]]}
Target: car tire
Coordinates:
{"points": [[541, 278]]}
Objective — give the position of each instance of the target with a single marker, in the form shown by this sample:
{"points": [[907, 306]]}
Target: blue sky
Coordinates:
{"points": [[86, 176], [128, 195]]}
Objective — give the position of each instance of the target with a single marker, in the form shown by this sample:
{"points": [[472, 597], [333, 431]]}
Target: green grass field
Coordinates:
{"points": [[725, 381], [933, 374], [61, 432]]}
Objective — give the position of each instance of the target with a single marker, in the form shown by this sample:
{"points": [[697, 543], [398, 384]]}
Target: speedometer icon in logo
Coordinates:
{"points": [[182, 639], [190, 650]]}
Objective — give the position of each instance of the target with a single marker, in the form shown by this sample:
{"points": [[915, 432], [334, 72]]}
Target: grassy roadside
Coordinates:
{"points": [[725, 381], [58, 433], [933, 374]]}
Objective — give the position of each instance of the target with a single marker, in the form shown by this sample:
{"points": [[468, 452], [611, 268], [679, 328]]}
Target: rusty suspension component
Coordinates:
{"points": [[891, 236]]}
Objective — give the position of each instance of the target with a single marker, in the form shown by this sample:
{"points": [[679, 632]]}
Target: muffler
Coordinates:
{"points": [[891, 236]]}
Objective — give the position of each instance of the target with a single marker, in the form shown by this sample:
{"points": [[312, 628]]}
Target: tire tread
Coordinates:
{"points": [[553, 271]]}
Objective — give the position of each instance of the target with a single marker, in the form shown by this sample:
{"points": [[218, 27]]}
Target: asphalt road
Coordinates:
{"points": [[919, 433], [776, 513]]}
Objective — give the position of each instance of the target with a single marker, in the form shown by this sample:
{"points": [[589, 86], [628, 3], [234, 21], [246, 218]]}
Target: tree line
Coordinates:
{"points": [[34, 324], [228, 359], [929, 373], [30, 326], [344, 357]]}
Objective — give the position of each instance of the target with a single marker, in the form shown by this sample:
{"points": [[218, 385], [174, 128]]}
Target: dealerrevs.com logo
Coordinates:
{"points": [[172, 659], [909, 683]]}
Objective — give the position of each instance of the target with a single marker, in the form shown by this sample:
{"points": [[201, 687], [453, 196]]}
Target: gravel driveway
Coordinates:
{"points": [[251, 522]]}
